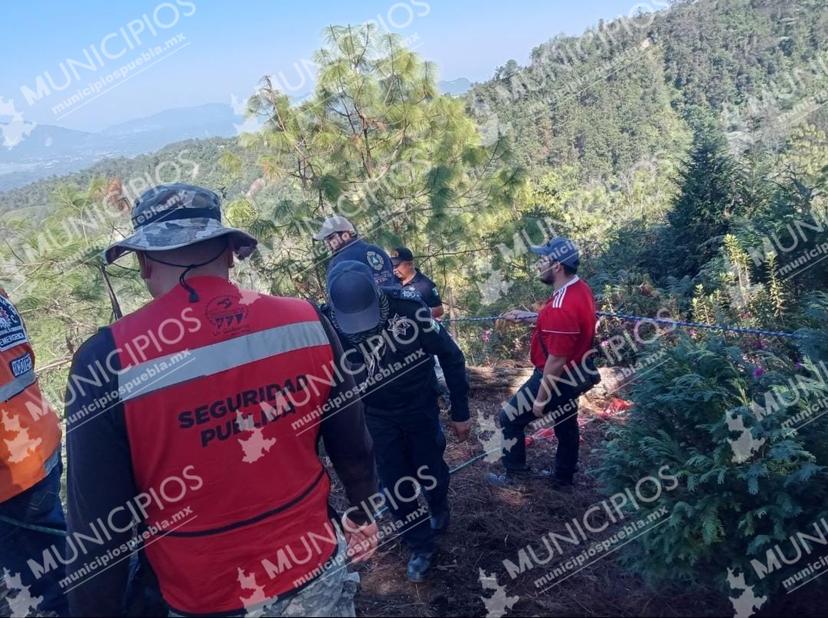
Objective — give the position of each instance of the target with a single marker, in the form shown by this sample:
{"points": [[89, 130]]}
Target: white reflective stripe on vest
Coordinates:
{"points": [[172, 369], [17, 386]]}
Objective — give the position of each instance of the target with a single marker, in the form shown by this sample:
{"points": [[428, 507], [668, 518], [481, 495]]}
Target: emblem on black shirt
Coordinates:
{"points": [[374, 260], [398, 325]]}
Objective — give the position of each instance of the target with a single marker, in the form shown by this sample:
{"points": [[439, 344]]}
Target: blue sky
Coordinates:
{"points": [[211, 49]]}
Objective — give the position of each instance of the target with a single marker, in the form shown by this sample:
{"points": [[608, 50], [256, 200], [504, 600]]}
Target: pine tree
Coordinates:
{"points": [[711, 195], [776, 289], [378, 143]]}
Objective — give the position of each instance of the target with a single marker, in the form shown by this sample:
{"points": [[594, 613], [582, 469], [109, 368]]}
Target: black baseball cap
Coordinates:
{"points": [[401, 254], [354, 297]]}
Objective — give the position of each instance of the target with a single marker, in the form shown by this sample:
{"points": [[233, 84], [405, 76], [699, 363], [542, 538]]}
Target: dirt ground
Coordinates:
{"points": [[490, 524]]}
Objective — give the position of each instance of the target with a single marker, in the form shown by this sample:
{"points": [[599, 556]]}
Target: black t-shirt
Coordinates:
{"points": [[426, 288]]}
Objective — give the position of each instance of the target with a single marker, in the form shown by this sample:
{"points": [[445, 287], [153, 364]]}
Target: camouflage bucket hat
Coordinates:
{"points": [[176, 215]]}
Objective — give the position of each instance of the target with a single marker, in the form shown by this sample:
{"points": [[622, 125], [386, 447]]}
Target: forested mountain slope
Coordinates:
{"points": [[618, 93]]}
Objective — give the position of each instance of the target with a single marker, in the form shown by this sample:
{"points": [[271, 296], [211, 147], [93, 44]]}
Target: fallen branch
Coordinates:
{"points": [[497, 380]]}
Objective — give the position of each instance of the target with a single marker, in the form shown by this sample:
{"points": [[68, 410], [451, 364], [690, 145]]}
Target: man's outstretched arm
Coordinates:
{"points": [[436, 340], [519, 315]]}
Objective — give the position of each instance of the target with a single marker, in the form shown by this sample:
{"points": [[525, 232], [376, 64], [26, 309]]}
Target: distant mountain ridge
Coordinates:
{"points": [[204, 118], [52, 151], [455, 87], [195, 160], [49, 150]]}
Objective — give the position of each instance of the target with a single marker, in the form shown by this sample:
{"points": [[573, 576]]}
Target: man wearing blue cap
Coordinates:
{"points": [[561, 346], [391, 334]]}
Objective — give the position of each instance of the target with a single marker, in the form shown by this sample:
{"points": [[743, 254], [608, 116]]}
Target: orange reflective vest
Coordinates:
{"points": [[29, 427], [221, 401]]}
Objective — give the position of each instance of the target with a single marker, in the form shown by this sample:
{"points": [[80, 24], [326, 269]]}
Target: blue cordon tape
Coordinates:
{"points": [[679, 323]]}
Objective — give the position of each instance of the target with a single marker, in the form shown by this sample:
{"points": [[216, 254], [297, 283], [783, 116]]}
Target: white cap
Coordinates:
{"points": [[332, 225]]}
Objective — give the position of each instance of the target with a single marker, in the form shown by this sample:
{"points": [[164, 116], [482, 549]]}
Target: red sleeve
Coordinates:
{"points": [[559, 331]]}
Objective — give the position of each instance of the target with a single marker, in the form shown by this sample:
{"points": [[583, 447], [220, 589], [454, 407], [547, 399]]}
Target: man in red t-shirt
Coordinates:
{"points": [[561, 342]]}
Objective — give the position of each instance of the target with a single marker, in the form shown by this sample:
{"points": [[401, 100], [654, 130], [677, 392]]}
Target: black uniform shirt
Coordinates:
{"points": [[395, 366], [426, 289]]}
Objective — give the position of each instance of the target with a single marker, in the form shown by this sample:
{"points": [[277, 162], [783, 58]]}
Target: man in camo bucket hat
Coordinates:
{"points": [[172, 216], [198, 391]]}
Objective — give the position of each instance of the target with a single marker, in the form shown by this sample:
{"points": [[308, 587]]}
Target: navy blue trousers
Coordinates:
{"points": [[37, 506], [410, 445]]}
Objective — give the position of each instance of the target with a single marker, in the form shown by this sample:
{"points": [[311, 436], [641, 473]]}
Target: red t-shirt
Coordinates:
{"points": [[566, 323]]}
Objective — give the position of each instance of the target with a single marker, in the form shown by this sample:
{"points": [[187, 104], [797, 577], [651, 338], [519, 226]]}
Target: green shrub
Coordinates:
{"points": [[733, 502]]}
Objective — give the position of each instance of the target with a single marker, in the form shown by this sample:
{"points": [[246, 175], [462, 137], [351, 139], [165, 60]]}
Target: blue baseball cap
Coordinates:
{"points": [[560, 250], [354, 297]]}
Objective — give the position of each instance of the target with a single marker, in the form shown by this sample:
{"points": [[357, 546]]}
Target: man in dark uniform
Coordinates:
{"points": [[391, 334], [411, 278], [342, 240]]}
